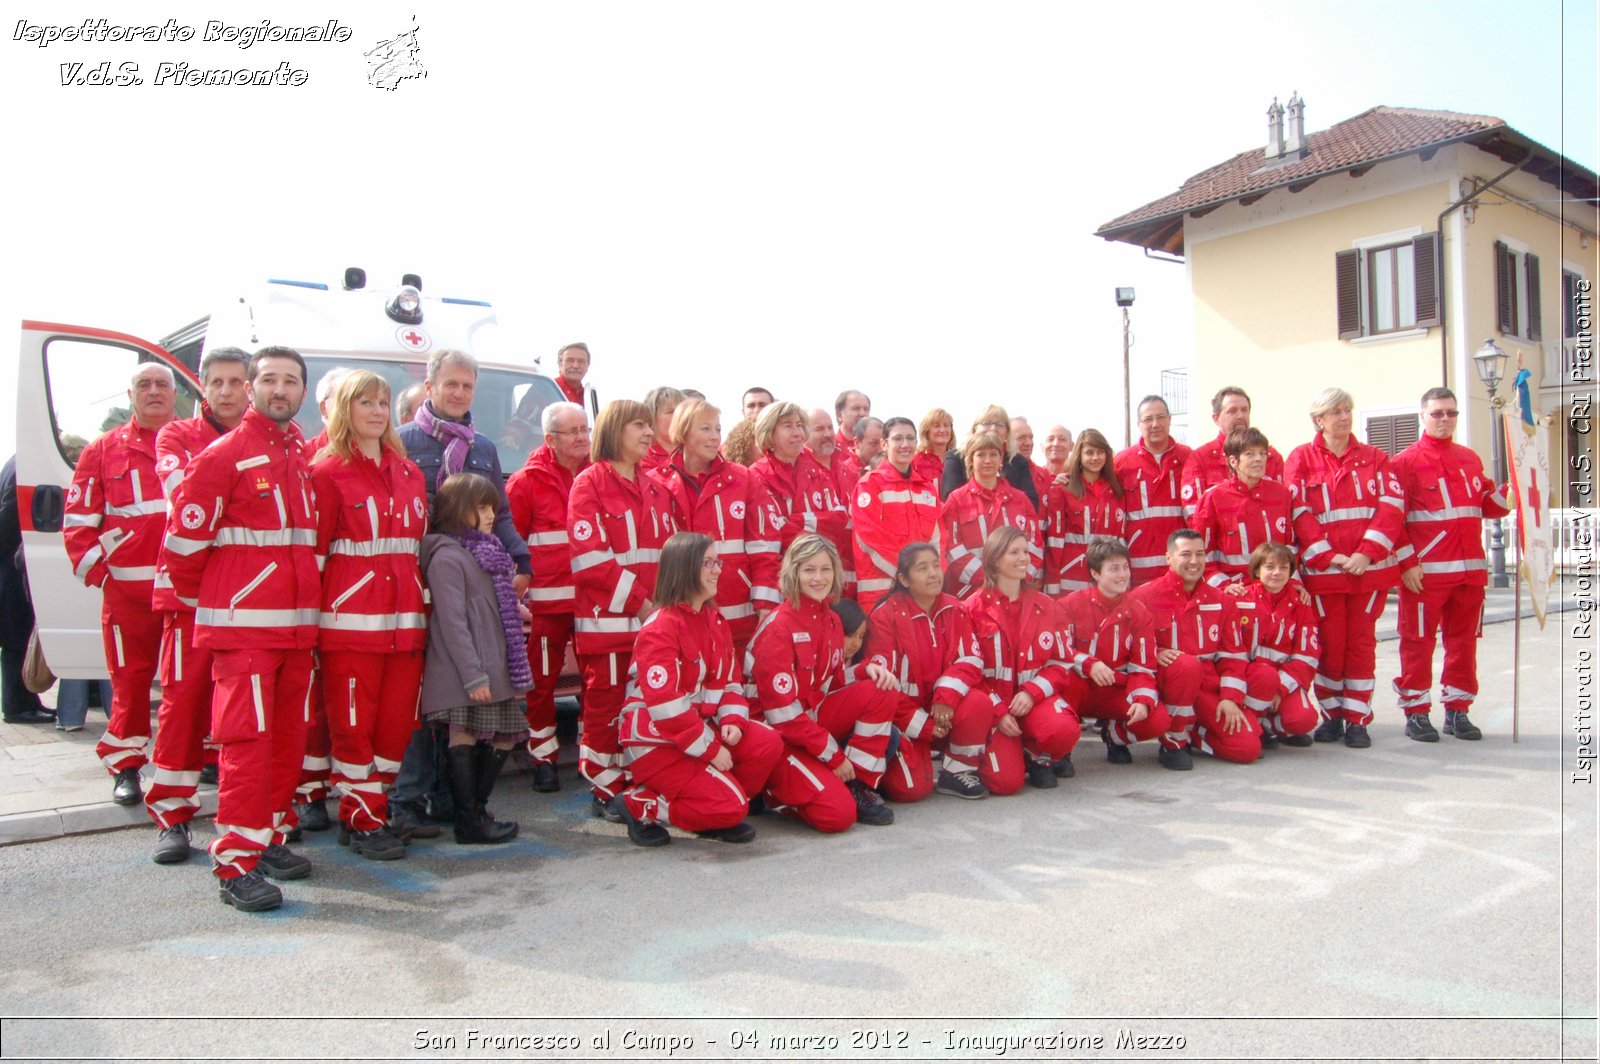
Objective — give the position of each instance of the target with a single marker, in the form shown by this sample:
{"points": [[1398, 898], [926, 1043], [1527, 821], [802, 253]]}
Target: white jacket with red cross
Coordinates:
{"points": [[683, 684], [538, 494], [370, 520], [1202, 623], [1070, 523], [795, 660], [1119, 634], [733, 506], [241, 542], [934, 654], [1282, 630], [1207, 467], [615, 529], [1447, 497], [1151, 499], [115, 515], [890, 510], [1234, 520], [1344, 504], [969, 514], [1024, 644], [808, 500]]}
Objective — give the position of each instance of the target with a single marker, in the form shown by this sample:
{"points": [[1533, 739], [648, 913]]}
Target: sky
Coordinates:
{"points": [[897, 197]]}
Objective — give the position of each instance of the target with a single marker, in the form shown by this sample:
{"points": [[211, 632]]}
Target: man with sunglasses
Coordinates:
{"points": [[1442, 569]]}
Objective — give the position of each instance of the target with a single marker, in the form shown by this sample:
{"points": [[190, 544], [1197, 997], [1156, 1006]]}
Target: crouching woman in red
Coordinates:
{"points": [[797, 670], [925, 639], [695, 755], [1280, 635], [1022, 636]]}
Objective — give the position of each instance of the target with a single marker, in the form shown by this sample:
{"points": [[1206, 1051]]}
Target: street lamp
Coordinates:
{"points": [[1125, 300], [1490, 361]]}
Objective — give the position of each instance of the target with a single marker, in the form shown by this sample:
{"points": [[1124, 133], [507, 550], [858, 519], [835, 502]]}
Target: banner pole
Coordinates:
{"points": [[1516, 650]]}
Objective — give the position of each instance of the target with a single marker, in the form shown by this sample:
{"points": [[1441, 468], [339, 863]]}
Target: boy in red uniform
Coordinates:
{"points": [[1279, 630]]}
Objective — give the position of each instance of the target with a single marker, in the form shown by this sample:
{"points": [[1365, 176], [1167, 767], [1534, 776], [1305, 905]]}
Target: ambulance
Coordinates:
{"points": [[73, 380]]}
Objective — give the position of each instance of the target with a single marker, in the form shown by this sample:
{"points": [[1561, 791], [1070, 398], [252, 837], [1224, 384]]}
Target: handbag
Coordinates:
{"points": [[36, 674]]}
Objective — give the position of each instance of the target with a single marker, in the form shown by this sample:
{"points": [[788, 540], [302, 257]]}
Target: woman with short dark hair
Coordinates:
{"points": [[1086, 507], [894, 505]]}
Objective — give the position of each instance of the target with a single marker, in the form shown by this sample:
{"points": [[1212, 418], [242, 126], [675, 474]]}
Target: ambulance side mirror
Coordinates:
{"points": [[47, 508]]}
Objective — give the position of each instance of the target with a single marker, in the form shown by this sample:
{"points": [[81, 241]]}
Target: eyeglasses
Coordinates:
{"points": [[585, 431], [902, 439], [1155, 419], [1440, 415], [712, 564]]}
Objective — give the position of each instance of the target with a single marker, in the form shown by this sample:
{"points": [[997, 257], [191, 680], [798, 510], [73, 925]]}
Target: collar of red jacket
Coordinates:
{"points": [[262, 425]]}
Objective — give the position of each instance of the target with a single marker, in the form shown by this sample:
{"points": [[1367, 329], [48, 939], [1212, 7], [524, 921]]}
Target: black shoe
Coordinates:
{"points": [[1420, 728], [314, 816], [1269, 741], [1457, 724], [961, 785], [1063, 768], [1042, 775], [172, 845], [603, 809], [870, 808], [31, 716], [1116, 753], [1297, 740], [489, 762], [294, 834], [740, 832], [125, 790], [1329, 731], [208, 775], [640, 833], [545, 779], [250, 893], [1356, 737], [280, 862], [379, 844], [1177, 759], [406, 823], [473, 825], [758, 805]]}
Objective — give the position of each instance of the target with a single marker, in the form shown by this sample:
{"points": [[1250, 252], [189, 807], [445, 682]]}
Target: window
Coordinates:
{"points": [[1516, 287], [1389, 287], [88, 387], [1393, 433]]}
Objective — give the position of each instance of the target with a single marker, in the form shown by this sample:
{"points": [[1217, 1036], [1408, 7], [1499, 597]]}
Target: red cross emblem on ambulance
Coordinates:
{"points": [[412, 338]]}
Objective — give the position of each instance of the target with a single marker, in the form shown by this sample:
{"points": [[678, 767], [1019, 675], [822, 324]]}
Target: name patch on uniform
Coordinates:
{"points": [[1210, 606], [1243, 605], [251, 463], [802, 637]]}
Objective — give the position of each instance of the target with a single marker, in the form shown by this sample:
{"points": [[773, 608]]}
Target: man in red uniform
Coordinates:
{"points": [[1207, 465], [1149, 474], [848, 408], [184, 718], [1200, 660], [114, 515], [538, 494], [241, 545], [1442, 568], [823, 447], [572, 365]]}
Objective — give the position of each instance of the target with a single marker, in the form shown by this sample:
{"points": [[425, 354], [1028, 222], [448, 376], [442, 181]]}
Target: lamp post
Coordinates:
{"points": [[1125, 300], [1490, 361]]}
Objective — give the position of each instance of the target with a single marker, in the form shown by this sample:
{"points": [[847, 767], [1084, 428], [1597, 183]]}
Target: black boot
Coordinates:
{"points": [[489, 763], [461, 763]]}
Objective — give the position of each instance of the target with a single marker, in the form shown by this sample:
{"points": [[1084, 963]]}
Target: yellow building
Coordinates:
{"points": [[1378, 255]]}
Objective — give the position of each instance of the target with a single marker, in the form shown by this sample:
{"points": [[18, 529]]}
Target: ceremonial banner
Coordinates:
{"points": [[1528, 451]]}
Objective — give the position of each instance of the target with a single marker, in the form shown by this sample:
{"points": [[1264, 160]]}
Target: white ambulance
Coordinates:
{"points": [[72, 386]]}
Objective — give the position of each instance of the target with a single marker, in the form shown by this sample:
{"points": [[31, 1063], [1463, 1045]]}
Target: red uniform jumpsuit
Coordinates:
{"points": [[373, 625], [1203, 626], [1025, 648], [796, 668], [615, 529], [184, 719], [113, 523], [1234, 520], [934, 655], [1151, 489], [684, 688], [1121, 635], [241, 542], [890, 510], [732, 505], [1207, 467], [1281, 640], [1070, 523], [1447, 497], [967, 517], [538, 494], [928, 465], [316, 766], [654, 459], [1346, 504], [1042, 479], [807, 500]]}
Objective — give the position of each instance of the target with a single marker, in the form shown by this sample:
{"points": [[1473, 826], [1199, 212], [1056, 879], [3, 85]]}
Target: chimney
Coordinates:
{"points": [[1274, 130], [1294, 141]]}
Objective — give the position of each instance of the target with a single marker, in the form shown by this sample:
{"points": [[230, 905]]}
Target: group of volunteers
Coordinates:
{"points": [[861, 610]]}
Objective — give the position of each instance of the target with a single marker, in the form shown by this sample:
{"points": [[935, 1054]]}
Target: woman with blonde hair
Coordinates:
{"points": [[1085, 508], [802, 488], [1015, 468], [978, 507], [663, 403], [936, 434]]}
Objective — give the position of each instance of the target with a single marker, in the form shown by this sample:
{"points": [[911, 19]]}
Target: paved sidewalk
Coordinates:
{"points": [[52, 785]]}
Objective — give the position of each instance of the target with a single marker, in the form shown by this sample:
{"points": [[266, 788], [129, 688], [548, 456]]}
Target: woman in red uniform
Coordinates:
{"points": [[663, 403], [894, 505], [695, 755], [925, 639], [978, 507], [1086, 507], [1243, 512], [937, 433], [1022, 636], [732, 505], [1280, 636], [1349, 512], [835, 731], [617, 519], [801, 487], [372, 507]]}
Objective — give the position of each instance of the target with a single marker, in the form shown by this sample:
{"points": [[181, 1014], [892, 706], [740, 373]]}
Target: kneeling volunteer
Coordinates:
{"points": [[1280, 632]]}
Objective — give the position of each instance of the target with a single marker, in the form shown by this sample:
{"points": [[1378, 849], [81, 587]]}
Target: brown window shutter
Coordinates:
{"points": [[1378, 434], [1535, 318], [1504, 291], [1569, 305], [1347, 273], [1406, 430], [1425, 262]]}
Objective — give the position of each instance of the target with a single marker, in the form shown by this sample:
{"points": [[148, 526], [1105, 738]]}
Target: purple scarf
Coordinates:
{"points": [[492, 558], [457, 437]]}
